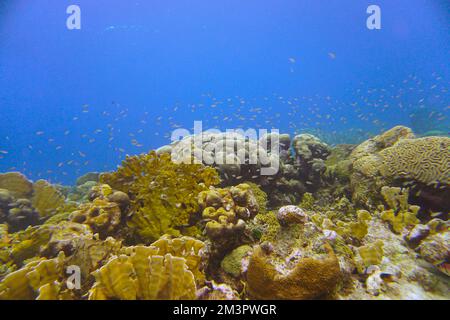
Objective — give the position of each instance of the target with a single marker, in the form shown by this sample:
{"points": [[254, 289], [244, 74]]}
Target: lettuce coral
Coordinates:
{"points": [[17, 184], [163, 193], [24, 284], [46, 198], [191, 249], [143, 274]]}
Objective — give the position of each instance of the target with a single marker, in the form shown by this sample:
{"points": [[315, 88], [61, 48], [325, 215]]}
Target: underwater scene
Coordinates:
{"points": [[224, 150]]}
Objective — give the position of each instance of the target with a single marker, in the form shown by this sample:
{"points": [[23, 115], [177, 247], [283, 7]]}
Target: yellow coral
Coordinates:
{"points": [[395, 197], [142, 274], [163, 193], [271, 225], [402, 219], [355, 229], [307, 201], [17, 184], [186, 247], [24, 284], [101, 215], [226, 209], [46, 198], [371, 254], [260, 196], [425, 160], [310, 279]]}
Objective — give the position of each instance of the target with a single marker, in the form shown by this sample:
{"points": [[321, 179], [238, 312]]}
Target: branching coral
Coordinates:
{"points": [[400, 215], [163, 193]]}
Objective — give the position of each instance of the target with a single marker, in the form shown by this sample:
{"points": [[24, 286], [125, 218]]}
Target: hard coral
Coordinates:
{"points": [[400, 215], [17, 184], [24, 284], [101, 215], [191, 249], [424, 160], [310, 279], [225, 212], [143, 274], [46, 198], [163, 193]]}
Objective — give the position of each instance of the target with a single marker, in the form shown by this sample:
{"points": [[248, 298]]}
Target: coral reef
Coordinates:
{"points": [[335, 222], [232, 263], [26, 283]]}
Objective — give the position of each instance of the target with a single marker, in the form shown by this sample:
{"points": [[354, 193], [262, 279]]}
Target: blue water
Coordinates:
{"points": [[72, 101]]}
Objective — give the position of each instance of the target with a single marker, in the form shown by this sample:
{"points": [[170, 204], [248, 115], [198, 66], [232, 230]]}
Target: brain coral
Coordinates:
{"points": [[163, 193], [310, 279], [426, 160]]}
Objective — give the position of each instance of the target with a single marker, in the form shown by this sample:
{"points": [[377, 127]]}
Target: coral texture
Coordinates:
{"points": [[311, 278], [163, 193]]}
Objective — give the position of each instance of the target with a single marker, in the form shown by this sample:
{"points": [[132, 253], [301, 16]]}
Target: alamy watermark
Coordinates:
{"points": [[232, 147], [73, 282], [373, 22], [73, 21]]}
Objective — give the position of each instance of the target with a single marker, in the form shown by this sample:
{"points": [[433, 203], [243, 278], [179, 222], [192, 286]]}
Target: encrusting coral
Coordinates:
{"points": [[163, 194]]}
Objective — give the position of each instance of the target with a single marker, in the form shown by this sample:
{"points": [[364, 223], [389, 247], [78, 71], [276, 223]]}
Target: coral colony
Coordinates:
{"points": [[367, 221]]}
